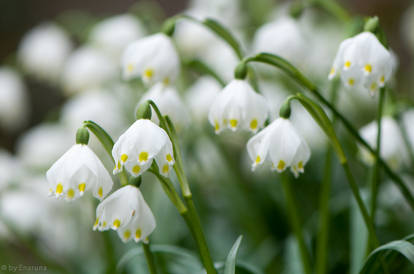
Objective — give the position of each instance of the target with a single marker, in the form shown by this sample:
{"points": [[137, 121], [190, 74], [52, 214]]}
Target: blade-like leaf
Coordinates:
{"points": [[230, 266], [372, 264]]}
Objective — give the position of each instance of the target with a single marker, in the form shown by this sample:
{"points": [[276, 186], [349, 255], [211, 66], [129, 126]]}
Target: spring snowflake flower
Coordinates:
{"points": [[126, 211], [139, 145], [363, 62], [44, 50], [113, 34], [77, 171], [169, 103], [280, 144], [238, 107], [153, 58], [393, 149]]}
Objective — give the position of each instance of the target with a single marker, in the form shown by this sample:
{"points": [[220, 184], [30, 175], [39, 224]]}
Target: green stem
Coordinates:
{"points": [[333, 8], [202, 68], [193, 221], [294, 218], [149, 257], [364, 212], [323, 233], [292, 71], [376, 169]]}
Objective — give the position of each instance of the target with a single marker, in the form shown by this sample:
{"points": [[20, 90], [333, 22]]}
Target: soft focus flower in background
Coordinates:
{"points": [[152, 58], [393, 148], [14, 105], [112, 35], [44, 50]]}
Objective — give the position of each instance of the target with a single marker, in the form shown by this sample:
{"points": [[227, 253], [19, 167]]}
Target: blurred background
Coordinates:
{"points": [[79, 78]]}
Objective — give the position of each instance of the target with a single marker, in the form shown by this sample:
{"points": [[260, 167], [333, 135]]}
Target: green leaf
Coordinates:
{"points": [[373, 264], [230, 266], [176, 260], [225, 34]]}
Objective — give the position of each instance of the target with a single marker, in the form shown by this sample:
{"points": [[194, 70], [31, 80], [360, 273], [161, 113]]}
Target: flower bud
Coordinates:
{"points": [[82, 136], [143, 111], [241, 71]]}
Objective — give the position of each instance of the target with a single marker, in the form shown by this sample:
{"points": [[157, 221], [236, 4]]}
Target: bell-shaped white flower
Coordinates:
{"points": [[168, 102], [153, 58], [282, 37], [14, 104], [393, 148], [87, 68], [139, 145], [280, 144], [43, 51], [201, 95], [112, 35], [77, 171], [238, 106], [362, 61], [126, 211]]}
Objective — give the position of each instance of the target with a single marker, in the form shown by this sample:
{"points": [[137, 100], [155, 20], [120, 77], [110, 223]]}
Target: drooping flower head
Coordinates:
{"points": [[139, 145], [238, 107], [280, 144], [126, 211], [77, 171], [363, 62], [153, 58]]}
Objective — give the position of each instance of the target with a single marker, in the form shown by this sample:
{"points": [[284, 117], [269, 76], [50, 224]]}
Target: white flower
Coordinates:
{"points": [[393, 149], [139, 145], [10, 169], [362, 61], [126, 211], [112, 35], [40, 146], [153, 58], [238, 107], [201, 95], [282, 37], [169, 103], [43, 51], [87, 68], [280, 144], [77, 171], [13, 100]]}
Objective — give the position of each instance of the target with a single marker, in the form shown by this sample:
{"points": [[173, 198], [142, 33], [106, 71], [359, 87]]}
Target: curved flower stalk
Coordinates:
{"points": [[238, 107], [77, 171], [139, 145], [153, 58], [363, 62], [126, 212], [280, 144]]}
